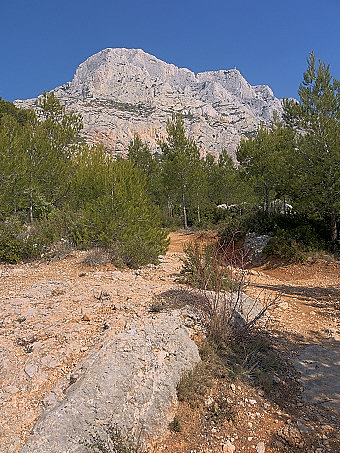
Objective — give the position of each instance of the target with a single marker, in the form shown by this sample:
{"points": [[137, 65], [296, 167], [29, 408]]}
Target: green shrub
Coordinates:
{"points": [[204, 267], [16, 244], [124, 220], [308, 232], [236, 226], [56, 225], [284, 247]]}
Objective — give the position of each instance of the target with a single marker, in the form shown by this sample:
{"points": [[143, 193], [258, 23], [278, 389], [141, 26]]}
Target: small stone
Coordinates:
{"points": [[233, 387], [228, 447], [86, 317], [49, 399], [276, 380], [260, 447], [209, 401], [31, 370]]}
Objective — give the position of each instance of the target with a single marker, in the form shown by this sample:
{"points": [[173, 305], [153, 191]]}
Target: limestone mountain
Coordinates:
{"points": [[121, 92]]}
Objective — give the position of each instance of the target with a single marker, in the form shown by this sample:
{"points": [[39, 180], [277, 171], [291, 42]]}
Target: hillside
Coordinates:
{"points": [[121, 92]]}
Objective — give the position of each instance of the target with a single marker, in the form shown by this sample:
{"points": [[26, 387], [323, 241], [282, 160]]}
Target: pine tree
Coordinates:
{"points": [[264, 160], [181, 168], [316, 161]]}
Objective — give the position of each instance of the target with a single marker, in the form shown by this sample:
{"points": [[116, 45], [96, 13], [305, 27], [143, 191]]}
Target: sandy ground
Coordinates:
{"points": [[52, 314]]}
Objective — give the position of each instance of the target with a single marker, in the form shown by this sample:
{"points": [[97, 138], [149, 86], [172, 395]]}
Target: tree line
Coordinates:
{"points": [[296, 159], [54, 185]]}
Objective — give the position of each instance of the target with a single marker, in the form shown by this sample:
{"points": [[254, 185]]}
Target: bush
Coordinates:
{"points": [[283, 247], [124, 220], [309, 232], [97, 256], [16, 244], [204, 267], [60, 250], [61, 224], [236, 226]]}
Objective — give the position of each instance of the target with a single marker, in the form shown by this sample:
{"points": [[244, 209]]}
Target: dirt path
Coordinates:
{"points": [[52, 315], [306, 324], [302, 413]]}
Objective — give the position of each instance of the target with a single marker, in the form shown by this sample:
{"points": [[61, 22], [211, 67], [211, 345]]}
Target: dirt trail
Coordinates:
{"points": [[53, 313]]}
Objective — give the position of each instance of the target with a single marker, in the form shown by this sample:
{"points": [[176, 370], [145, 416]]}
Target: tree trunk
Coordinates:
{"points": [[169, 207], [284, 205], [198, 214], [334, 233], [267, 201], [184, 212], [31, 208]]}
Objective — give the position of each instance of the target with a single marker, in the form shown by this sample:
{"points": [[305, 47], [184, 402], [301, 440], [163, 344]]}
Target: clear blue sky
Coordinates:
{"points": [[43, 41]]}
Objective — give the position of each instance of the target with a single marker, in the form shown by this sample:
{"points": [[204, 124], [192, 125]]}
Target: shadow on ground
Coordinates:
{"points": [[306, 388]]}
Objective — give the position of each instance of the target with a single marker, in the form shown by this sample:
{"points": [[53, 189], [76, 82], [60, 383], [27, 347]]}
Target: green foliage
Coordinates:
{"points": [[35, 158], [68, 190], [61, 223], [9, 109], [204, 268], [315, 169], [236, 226], [308, 233], [183, 174], [284, 247], [16, 244], [117, 212], [264, 160]]}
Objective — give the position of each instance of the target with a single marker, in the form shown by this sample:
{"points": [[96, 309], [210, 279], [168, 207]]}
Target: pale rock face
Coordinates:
{"points": [[121, 92]]}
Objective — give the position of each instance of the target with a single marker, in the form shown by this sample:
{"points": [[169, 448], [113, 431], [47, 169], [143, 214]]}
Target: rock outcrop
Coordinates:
{"points": [[121, 92], [127, 387]]}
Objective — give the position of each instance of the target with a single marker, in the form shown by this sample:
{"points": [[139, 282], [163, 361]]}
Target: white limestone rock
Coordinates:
{"points": [[121, 92], [129, 384]]}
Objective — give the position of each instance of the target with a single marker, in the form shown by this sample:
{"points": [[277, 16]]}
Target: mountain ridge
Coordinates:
{"points": [[121, 92]]}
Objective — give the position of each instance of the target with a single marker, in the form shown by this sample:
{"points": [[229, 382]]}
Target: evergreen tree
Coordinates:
{"points": [[316, 160], [141, 156], [264, 160], [181, 168], [223, 184], [47, 146]]}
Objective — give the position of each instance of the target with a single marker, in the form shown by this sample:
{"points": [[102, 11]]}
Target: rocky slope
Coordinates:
{"points": [[61, 321], [120, 92]]}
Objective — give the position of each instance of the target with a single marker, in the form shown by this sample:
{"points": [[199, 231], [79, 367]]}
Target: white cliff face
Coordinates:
{"points": [[121, 92]]}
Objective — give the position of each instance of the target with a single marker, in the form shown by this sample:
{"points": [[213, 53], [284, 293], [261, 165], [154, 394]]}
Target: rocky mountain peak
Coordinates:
{"points": [[121, 92]]}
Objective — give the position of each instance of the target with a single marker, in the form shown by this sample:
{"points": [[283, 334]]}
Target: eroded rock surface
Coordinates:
{"points": [[320, 375], [121, 92], [129, 384]]}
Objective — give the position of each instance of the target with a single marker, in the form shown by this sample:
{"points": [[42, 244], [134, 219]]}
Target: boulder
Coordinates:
{"points": [[127, 389]]}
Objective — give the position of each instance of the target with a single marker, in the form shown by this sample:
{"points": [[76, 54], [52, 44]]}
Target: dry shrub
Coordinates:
{"points": [[218, 274], [60, 250], [237, 348], [97, 256]]}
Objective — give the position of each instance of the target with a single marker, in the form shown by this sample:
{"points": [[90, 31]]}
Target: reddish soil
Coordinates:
{"points": [[52, 314], [307, 313]]}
